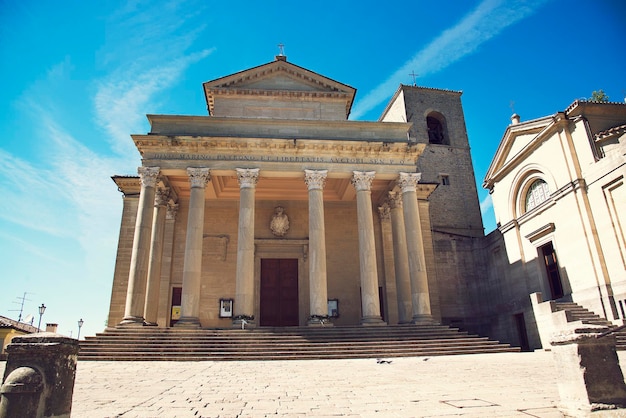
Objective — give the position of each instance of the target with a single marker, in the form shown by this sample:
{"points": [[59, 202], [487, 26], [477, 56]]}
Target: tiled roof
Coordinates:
{"points": [[616, 130], [20, 326], [580, 101]]}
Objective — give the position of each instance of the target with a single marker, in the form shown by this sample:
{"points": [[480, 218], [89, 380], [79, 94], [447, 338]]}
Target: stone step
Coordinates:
{"points": [[575, 312], [285, 354], [304, 347], [144, 343]]}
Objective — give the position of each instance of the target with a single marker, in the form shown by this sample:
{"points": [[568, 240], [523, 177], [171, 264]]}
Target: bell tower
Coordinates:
{"points": [[456, 222]]}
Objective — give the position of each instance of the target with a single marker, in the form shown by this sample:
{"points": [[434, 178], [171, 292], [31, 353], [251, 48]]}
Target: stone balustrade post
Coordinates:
{"points": [[39, 376], [589, 376]]}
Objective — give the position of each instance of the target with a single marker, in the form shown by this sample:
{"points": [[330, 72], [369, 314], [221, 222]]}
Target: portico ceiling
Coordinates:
{"points": [[226, 187]]}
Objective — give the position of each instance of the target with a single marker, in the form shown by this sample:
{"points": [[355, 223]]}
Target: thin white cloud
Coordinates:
{"points": [[486, 21], [486, 204], [67, 191], [122, 99], [34, 250], [161, 35], [29, 195]]}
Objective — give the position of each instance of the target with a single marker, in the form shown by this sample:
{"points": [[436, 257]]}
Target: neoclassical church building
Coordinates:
{"points": [[275, 210]]}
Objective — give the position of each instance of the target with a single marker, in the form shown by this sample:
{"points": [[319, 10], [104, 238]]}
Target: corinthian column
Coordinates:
{"points": [[318, 291], [192, 267], [156, 253], [244, 286], [136, 293], [417, 262], [400, 259], [370, 303]]}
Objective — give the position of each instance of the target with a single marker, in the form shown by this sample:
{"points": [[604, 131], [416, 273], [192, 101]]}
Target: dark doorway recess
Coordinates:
{"points": [[552, 270], [279, 292]]}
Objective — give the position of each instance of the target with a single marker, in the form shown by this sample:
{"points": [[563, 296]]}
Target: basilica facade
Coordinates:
{"points": [[276, 210]]}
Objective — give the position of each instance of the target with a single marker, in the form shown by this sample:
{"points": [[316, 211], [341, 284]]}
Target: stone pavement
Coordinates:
{"points": [[480, 385]]}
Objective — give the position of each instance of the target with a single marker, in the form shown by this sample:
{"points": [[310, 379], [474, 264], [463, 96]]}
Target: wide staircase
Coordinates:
{"points": [[575, 312], [295, 343]]}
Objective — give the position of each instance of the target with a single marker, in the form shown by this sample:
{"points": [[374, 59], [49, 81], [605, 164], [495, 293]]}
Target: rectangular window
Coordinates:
{"points": [[445, 179]]}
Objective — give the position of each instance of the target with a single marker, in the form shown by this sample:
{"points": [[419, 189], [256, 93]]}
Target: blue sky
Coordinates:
{"points": [[78, 78]]}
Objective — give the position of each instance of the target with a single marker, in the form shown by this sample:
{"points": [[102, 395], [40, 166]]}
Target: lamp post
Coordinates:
{"points": [[42, 309], [80, 325]]}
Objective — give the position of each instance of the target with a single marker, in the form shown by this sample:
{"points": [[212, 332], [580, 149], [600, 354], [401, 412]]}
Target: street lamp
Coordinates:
{"points": [[42, 309], [80, 325]]}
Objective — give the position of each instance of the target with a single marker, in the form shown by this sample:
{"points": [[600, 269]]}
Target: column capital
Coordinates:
{"points": [[162, 196], [395, 200], [247, 177], [172, 211], [384, 212], [315, 179], [148, 175], [362, 180], [198, 176], [408, 181]]}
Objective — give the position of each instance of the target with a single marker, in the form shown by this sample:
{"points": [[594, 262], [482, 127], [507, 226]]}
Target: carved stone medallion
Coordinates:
{"points": [[280, 222]]}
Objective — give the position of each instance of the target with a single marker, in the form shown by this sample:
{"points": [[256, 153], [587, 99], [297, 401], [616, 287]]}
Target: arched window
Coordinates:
{"points": [[537, 193], [436, 132]]}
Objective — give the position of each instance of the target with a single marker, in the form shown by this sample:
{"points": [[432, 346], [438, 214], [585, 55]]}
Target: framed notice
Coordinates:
{"points": [[226, 308], [333, 308]]}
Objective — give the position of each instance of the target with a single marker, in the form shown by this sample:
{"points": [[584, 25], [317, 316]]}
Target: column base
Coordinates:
{"points": [[423, 320], [372, 321], [131, 321], [187, 322]]}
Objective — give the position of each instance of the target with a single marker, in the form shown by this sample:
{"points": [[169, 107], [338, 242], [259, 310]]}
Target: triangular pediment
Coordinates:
{"points": [[517, 139], [275, 79]]}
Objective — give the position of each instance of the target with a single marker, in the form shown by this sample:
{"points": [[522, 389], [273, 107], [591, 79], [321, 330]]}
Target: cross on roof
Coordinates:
{"points": [[414, 77], [281, 49]]}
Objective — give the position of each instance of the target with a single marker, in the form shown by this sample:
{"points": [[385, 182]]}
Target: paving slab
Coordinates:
{"points": [[468, 386]]}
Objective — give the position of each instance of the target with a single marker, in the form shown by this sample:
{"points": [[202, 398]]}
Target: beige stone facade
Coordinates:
{"points": [[272, 211], [558, 192]]}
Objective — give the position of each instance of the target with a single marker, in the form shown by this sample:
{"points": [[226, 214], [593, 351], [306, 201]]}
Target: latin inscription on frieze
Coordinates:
{"points": [[279, 159]]}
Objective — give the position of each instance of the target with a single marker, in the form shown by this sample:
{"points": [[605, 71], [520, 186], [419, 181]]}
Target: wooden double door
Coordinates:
{"points": [[279, 292]]}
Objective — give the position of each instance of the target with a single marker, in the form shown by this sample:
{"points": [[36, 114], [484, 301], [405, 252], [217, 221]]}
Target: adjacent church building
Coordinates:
{"points": [[275, 210]]}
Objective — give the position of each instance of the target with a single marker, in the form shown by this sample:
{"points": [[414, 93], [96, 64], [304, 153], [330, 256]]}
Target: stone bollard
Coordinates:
{"points": [[39, 376], [588, 372]]}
